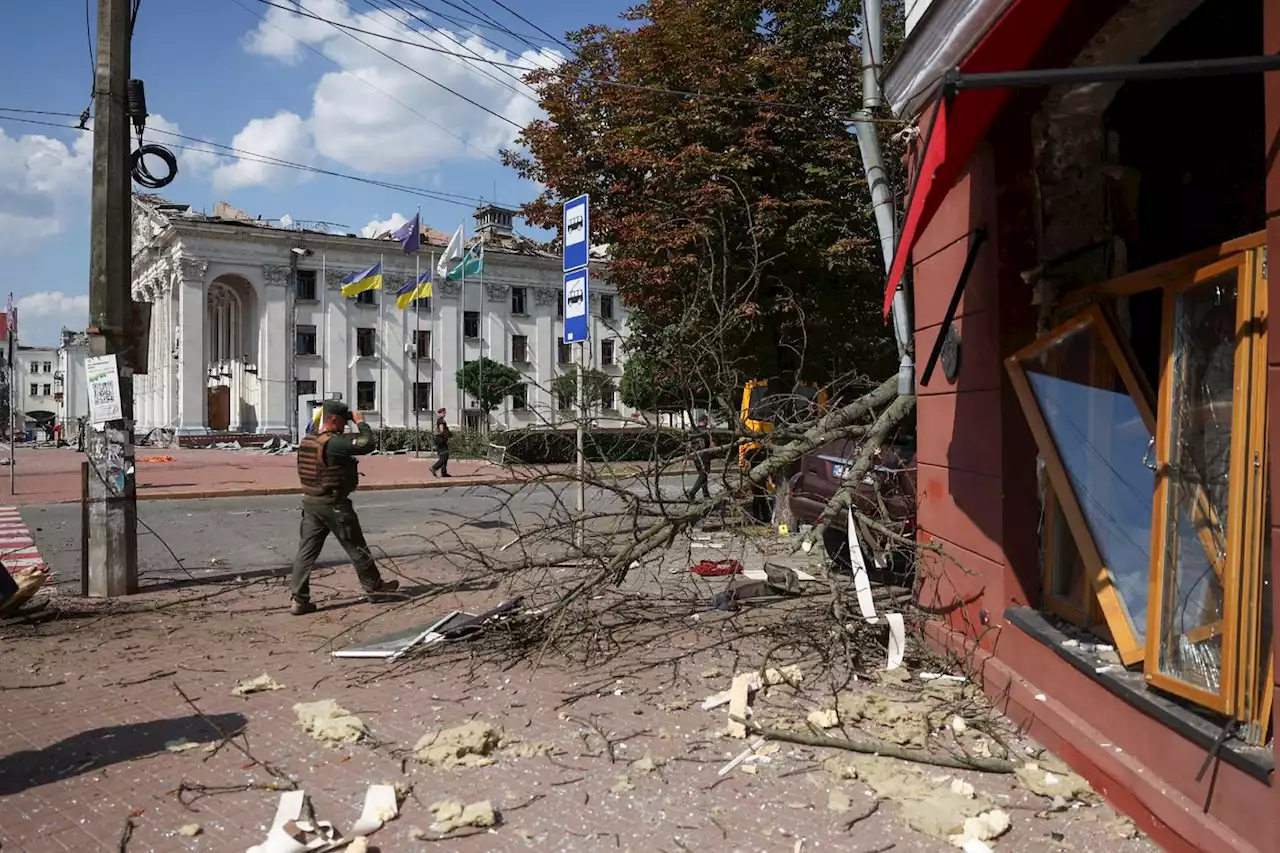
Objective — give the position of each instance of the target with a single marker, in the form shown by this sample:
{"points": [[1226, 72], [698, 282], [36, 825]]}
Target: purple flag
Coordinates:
{"points": [[410, 234]]}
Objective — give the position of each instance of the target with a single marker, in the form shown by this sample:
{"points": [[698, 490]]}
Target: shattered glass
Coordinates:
{"points": [[1102, 440], [1198, 472]]}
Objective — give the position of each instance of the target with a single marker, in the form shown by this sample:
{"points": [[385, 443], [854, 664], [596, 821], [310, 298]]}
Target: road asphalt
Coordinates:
{"points": [[180, 541]]}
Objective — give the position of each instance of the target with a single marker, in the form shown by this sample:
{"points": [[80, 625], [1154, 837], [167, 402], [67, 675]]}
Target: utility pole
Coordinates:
{"points": [[113, 508]]}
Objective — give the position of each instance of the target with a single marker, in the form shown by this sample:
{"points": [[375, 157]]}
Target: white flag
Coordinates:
{"points": [[452, 252]]}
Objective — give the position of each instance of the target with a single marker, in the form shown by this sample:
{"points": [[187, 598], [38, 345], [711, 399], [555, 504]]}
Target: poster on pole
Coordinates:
{"points": [[576, 300], [103, 377]]}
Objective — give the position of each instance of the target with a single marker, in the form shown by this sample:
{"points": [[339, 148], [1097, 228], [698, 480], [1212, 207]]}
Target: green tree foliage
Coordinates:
{"points": [[565, 386], [750, 198], [488, 382]]}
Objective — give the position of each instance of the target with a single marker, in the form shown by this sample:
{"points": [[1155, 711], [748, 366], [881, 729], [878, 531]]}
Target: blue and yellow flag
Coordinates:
{"points": [[412, 291], [359, 282]]}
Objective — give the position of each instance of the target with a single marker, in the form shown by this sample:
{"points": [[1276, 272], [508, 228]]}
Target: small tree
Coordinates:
{"points": [[565, 387], [488, 382]]}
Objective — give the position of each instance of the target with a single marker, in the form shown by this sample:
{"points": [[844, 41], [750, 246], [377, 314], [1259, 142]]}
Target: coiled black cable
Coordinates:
{"points": [[136, 106], [142, 175]]}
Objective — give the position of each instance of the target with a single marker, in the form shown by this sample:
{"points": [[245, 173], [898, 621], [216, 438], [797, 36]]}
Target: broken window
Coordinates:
{"points": [[1162, 506]]}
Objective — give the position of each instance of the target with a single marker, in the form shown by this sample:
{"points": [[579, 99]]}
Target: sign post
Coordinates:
{"points": [[576, 239]]}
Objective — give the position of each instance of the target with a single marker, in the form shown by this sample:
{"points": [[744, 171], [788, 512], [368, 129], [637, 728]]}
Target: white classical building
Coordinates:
{"points": [[34, 369], [71, 381], [247, 318]]}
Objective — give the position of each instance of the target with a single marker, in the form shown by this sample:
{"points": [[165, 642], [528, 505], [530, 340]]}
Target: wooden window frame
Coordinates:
{"points": [[1253, 696], [1231, 569], [1090, 617], [1126, 641]]}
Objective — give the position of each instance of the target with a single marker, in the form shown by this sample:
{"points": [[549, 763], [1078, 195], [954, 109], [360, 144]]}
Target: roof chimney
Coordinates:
{"points": [[494, 221]]}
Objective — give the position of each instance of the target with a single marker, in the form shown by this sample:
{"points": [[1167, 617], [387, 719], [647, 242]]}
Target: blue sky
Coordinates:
{"points": [[285, 87]]}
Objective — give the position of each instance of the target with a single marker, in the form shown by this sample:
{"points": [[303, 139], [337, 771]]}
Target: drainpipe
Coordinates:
{"points": [[881, 197]]}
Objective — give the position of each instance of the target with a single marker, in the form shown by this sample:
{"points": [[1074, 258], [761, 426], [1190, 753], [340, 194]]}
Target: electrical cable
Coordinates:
{"points": [[205, 147], [479, 19], [447, 35], [659, 90], [370, 84], [136, 109], [413, 70], [529, 22]]}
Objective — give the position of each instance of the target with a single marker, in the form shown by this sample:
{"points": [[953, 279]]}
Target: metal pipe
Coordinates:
{"points": [[877, 181], [1136, 73], [872, 55]]}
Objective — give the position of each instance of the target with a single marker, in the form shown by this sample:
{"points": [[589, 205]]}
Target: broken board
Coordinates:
{"points": [[456, 624]]}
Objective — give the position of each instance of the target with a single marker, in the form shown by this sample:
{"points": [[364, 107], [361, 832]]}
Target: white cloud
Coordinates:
{"points": [[379, 116], [45, 184], [284, 136], [41, 316], [382, 226]]}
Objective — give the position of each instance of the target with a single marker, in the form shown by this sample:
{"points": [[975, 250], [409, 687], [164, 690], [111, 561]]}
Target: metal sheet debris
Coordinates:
{"points": [[456, 624]]}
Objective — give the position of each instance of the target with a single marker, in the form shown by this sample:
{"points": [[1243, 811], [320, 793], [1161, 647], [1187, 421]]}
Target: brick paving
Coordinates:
{"points": [[89, 699], [49, 475]]}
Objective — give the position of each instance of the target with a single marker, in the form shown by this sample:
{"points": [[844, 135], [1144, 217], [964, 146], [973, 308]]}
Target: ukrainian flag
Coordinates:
{"points": [[359, 282], [419, 288]]}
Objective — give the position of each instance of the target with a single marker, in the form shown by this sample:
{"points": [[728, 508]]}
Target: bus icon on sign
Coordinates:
{"points": [[575, 230]]}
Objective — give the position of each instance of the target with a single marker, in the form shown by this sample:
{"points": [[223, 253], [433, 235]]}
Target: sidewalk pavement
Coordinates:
{"points": [[53, 475]]}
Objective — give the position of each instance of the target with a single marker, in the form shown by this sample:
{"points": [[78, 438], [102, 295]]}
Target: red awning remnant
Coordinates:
{"points": [[961, 120]]}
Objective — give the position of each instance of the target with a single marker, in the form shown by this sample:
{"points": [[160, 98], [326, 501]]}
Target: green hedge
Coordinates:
{"points": [[550, 447]]}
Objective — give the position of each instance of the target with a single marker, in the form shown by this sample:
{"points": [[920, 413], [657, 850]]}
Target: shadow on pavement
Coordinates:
{"points": [[97, 748]]}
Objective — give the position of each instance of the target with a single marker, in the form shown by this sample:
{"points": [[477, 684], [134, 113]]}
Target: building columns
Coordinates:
{"points": [[190, 344]]}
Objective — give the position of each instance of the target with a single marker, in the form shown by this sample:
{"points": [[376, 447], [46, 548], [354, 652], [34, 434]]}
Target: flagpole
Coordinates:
{"points": [[484, 302], [417, 328]]}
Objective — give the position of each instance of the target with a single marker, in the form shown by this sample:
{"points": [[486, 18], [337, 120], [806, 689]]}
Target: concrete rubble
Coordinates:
{"points": [[468, 745], [328, 722]]}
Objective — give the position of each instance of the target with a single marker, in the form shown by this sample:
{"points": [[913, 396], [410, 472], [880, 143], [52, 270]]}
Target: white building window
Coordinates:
{"points": [[306, 291], [306, 387], [366, 343], [367, 396], [519, 301], [607, 355], [564, 352], [606, 306], [471, 325], [48, 389], [305, 340], [519, 349], [520, 398], [35, 390]]}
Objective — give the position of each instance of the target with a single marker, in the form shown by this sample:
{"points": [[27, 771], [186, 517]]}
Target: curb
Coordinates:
{"points": [[269, 491]]}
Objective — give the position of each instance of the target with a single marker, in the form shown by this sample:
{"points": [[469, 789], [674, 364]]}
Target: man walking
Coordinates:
{"points": [[441, 466], [700, 444], [329, 474]]}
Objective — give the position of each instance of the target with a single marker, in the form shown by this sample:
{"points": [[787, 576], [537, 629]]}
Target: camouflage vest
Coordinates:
{"points": [[320, 477]]}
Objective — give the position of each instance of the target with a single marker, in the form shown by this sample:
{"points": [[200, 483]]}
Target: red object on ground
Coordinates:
{"points": [[715, 569]]}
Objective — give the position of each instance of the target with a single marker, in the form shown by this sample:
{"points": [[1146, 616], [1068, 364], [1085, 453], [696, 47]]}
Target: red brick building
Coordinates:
{"points": [[1087, 229]]}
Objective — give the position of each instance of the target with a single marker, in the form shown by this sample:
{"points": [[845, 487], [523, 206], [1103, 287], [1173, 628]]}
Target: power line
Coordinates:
{"points": [[265, 159], [370, 84], [480, 19], [413, 70], [460, 44], [658, 90], [532, 24]]}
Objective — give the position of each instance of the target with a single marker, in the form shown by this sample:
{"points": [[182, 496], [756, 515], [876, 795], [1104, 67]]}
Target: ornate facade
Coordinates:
{"points": [[247, 318]]}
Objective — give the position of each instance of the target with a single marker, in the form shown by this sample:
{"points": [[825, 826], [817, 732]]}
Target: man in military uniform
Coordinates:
{"points": [[327, 469], [441, 466], [701, 442]]}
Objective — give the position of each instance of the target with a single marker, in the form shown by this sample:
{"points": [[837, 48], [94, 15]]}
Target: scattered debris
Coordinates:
{"points": [[328, 722], [1123, 827], [452, 814], [739, 699], [453, 626], [290, 833], [256, 685], [743, 756], [29, 581], [838, 801], [182, 745], [520, 749], [827, 718], [468, 745], [772, 677], [716, 568], [648, 764], [191, 830], [622, 785], [1055, 781], [987, 826]]}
